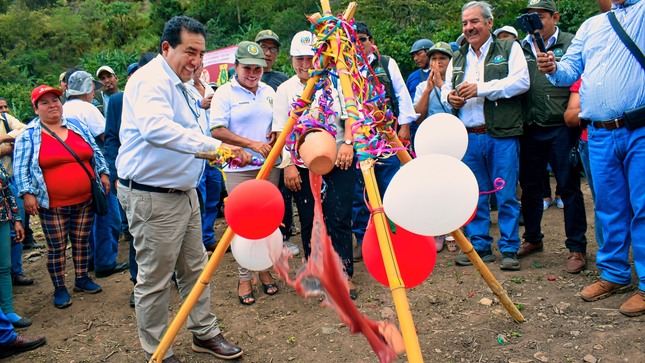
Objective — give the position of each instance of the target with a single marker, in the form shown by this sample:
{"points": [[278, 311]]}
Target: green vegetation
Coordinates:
{"points": [[42, 38]]}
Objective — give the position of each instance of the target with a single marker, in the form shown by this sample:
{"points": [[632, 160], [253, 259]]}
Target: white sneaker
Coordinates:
{"points": [[559, 203], [293, 249], [546, 204]]}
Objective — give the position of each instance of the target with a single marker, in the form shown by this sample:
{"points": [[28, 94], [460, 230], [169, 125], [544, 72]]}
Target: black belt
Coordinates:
{"points": [[147, 188], [608, 124], [477, 129]]}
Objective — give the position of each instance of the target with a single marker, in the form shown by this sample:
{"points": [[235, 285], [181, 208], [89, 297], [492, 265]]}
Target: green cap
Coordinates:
{"points": [[250, 53], [441, 47], [267, 35], [548, 5]]}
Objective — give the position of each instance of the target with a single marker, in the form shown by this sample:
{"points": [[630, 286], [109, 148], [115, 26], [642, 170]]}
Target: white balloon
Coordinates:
{"points": [[257, 254], [432, 195], [441, 133]]}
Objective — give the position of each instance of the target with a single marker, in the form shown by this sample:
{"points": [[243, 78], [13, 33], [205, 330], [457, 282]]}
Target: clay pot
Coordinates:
{"points": [[317, 149]]}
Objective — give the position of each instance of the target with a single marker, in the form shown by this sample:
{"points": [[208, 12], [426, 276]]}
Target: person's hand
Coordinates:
{"points": [[435, 75], [404, 132], [292, 178], [430, 81], [105, 181], [546, 62], [205, 103], [272, 136], [6, 149], [242, 155], [261, 147], [345, 156], [116, 184], [31, 204], [20, 232], [467, 90], [455, 100]]}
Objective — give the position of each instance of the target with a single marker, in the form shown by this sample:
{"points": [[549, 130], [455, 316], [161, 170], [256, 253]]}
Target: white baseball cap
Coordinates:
{"points": [[506, 28], [302, 44]]}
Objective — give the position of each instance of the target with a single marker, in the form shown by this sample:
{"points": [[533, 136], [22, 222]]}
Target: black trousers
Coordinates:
{"points": [[538, 146], [337, 209]]}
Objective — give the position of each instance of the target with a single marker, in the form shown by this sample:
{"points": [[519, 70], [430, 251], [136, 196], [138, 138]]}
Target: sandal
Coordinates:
{"points": [[451, 244], [269, 288], [247, 299], [353, 292]]}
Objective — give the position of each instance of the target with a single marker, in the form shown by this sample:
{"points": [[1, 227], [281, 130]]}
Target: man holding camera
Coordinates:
{"points": [[547, 139], [612, 100]]}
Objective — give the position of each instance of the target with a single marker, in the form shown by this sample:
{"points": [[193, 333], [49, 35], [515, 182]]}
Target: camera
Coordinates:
{"points": [[531, 23]]}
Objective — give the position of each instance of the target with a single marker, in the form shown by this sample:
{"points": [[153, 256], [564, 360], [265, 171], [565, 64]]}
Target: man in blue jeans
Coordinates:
{"points": [[12, 343], [613, 79], [486, 99]]}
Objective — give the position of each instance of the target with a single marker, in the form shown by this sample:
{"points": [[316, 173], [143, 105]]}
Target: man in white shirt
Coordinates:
{"points": [[161, 130], [483, 83]]}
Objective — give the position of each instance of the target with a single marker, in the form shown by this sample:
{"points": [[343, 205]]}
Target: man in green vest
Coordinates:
{"points": [[483, 86], [547, 139]]}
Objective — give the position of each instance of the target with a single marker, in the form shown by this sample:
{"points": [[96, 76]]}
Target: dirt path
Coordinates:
{"points": [[453, 323]]}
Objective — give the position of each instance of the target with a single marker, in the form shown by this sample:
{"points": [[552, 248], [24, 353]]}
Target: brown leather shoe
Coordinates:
{"points": [[635, 305], [529, 248], [602, 289], [217, 346], [575, 263], [22, 344]]}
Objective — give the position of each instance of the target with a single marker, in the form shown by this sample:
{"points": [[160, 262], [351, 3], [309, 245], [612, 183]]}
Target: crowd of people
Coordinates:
{"points": [[524, 109]]}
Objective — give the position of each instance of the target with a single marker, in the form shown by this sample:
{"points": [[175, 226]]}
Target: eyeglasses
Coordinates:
{"points": [[363, 39], [190, 100], [270, 49], [4, 107]]}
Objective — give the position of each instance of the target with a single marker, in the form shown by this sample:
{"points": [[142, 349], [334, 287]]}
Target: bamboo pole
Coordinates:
{"points": [[467, 248], [397, 287]]}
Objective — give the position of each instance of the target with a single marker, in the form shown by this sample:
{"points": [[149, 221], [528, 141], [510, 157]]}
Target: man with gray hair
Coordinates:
{"points": [[482, 86]]}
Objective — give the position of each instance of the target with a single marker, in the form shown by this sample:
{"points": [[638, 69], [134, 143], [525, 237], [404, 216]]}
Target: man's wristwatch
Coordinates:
{"points": [[348, 142]]}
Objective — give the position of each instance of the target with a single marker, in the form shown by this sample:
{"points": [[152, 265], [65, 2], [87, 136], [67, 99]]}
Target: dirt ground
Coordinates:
{"points": [[453, 323]]}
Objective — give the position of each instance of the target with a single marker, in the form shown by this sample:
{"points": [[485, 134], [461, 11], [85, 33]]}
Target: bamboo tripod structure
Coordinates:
{"points": [[397, 286]]}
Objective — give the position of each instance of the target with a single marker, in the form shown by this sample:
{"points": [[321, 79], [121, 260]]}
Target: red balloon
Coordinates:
{"points": [[254, 209], [415, 254]]}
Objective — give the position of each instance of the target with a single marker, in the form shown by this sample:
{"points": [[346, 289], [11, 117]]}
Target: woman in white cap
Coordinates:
{"points": [[337, 203], [241, 115]]}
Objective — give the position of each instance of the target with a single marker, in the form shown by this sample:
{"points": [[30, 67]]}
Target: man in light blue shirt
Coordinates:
{"points": [[612, 83]]}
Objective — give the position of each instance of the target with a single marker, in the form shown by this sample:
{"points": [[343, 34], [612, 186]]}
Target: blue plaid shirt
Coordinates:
{"points": [[27, 172]]}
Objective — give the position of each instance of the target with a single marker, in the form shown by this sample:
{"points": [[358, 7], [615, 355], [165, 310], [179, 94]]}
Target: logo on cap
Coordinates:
{"points": [[253, 50], [305, 40], [533, 2]]}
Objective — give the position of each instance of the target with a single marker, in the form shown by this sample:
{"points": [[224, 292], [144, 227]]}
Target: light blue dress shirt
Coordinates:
{"points": [[612, 79]]}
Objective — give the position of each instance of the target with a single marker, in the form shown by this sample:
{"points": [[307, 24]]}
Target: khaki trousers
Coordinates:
{"points": [[167, 235]]}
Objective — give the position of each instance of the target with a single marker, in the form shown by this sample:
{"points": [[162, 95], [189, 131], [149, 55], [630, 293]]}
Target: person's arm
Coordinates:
{"points": [[515, 83], [573, 110], [22, 156], [569, 68], [16, 127], [406, 108], [112, 141], [422, 98]]}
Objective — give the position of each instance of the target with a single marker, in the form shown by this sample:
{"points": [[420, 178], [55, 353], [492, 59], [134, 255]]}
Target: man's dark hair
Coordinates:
{"points": [[145, 58], [69, 72], [361, 27], [172, 30]]}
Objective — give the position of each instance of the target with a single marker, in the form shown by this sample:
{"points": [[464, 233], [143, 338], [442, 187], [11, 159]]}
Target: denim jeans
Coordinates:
{"points": [[584, 157], [490, 158], [16, 248], [7, 332], [104, 239], [617, 160], [539, 146], [209, 188], [384, 171]]}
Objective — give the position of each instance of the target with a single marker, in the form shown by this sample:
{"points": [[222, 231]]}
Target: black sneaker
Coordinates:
{"points": [[463, 260], [509, 261]]}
